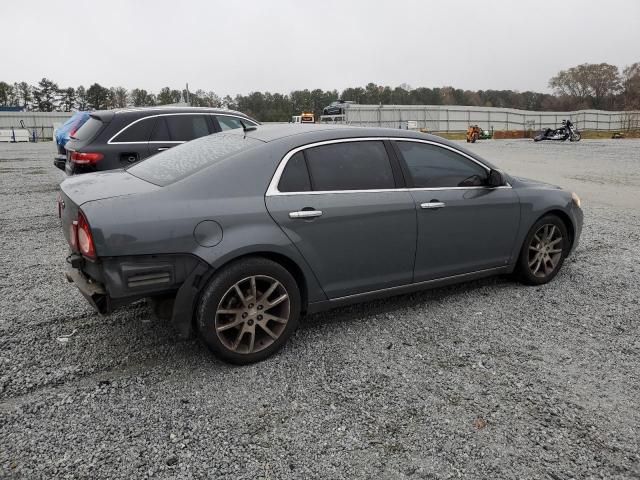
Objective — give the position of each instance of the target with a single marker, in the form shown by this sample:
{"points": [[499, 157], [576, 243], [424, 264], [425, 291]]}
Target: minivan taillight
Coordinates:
{"points": [[85, 239], [86, 158]]}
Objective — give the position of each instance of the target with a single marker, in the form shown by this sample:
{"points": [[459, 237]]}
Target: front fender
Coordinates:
{"points": [[536, 203]]}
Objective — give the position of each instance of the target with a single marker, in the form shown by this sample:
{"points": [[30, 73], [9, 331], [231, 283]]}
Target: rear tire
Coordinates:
{"points": [[249, 310], [543, 252]]}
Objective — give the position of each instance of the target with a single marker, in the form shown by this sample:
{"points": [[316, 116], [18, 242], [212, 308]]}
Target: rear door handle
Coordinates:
{"points": [[305, 214], [163, 148], [432, 205]]}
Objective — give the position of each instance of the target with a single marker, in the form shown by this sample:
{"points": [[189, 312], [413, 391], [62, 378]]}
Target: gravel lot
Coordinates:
{"points": [[489, 379]]}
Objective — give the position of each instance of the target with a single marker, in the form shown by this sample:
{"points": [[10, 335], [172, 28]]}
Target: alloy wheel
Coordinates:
{"points": [[545, 250], [252, 314]]}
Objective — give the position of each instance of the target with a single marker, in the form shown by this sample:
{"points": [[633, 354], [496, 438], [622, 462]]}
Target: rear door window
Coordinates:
{"points": [[295, 177], [183, 128], [160, 131], [362, 165], [138, 131]]}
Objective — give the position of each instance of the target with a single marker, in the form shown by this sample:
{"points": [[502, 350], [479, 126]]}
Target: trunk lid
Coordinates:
{"points": [[80, 189], [99, 185]]}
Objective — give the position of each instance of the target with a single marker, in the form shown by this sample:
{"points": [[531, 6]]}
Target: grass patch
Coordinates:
{"points": [[452, 135]]}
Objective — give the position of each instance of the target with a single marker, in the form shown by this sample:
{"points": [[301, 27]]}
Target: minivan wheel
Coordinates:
{"points": [[544, 250], [249, 310]]}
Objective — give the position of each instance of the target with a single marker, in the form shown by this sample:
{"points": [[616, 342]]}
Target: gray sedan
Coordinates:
{"points": [[234, 236]]}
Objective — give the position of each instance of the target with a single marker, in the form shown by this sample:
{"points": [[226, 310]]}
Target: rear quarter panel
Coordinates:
{"points": [[163, 221]]}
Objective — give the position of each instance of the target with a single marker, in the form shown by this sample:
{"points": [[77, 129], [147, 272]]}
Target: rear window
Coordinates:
{"points": [[89, 129], [185, 160]]}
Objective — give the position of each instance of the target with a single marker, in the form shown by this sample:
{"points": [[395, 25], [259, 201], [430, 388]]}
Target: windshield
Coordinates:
{"points": [[186, 159]]}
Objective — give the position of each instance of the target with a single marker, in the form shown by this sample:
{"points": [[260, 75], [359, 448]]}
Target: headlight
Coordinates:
{"points": [[576, 199]]}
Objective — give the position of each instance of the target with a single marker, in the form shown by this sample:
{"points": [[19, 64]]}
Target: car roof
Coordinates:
{"points": [[269, 133], [142, 111], [172, 109], [301, 134]]}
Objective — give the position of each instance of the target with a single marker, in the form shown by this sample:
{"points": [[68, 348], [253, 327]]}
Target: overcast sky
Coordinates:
{"points": [[282, 45]]}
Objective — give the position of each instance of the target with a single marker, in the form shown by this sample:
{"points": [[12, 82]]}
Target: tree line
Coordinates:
{"points": [[600, 86]]}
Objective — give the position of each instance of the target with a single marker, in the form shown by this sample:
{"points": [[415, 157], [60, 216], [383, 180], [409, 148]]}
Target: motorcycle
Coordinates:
{"points": [[567, 131]]}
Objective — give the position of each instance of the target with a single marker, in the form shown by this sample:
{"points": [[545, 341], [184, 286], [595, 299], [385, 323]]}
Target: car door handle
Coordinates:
{"points": [[432, 205], [305, 214], [163, 148]]}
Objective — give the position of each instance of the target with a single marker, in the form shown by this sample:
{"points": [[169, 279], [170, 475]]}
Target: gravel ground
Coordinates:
{"points": [[489, 379]]}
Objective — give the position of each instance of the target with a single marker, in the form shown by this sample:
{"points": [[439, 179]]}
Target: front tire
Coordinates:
{"points": [[575, 137], [543, 252], [249, 310]]}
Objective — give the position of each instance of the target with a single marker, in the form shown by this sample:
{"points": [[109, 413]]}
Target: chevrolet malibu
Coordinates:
{"points": [[234, 236]]}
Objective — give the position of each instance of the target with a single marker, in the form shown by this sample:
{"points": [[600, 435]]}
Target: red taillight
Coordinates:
{"points": [[73, 235], [86, 158], [85, 239]]}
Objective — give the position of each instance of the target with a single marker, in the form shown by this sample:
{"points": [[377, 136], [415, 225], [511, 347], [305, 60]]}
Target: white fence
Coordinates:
{"points": [[434, 118], [447, 118], [14, 136], [40, 123]]}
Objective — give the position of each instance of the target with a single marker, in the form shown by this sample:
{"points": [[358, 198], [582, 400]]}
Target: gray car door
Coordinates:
{"points": [[463, 225], [339, 204]]}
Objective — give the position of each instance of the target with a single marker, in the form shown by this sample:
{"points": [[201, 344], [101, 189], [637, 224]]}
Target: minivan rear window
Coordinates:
{"points": [[89, 130], [186, 159]]}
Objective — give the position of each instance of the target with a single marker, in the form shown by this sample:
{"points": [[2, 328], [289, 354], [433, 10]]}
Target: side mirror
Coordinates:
{"points": [[495, 179]]}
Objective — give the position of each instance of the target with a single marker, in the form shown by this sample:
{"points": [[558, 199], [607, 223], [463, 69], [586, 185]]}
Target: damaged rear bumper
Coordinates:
{"points": [[94, 292], [110, 283]]}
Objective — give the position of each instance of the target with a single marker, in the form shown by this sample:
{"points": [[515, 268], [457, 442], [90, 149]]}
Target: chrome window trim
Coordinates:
{"points": [[111, 142], [234, 116], [275, 180], [272, 190]]}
